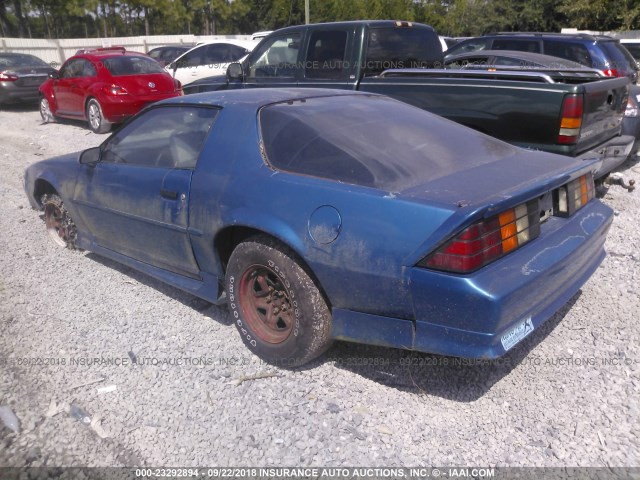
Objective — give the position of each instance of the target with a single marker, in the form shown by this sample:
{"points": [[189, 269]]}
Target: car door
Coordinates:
{"points": [[215, 60], [84, 77], [275, 63], [135, 200], [185, 67], [63, 86]]}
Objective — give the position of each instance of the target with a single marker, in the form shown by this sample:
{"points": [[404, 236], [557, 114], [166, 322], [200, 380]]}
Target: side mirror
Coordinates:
{"points": [[172, 66], [54, 75], [234, 71], [90, 157]]}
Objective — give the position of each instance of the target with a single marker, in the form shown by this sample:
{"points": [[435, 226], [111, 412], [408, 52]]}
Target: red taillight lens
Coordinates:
{"points": [[573, 196], [115, 90], [611, 72], [6, 77], [487, 240], [571, 121]]}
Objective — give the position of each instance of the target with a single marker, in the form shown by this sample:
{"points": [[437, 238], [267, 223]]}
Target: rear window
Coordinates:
{"points": [[403, 47], [619, 58], [126, 65], [576, 52], [469, 46], [16, 61], [374, 141]]}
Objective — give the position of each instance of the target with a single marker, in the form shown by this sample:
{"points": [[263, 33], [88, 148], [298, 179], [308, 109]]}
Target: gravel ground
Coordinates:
{"points": [[568, 395]]}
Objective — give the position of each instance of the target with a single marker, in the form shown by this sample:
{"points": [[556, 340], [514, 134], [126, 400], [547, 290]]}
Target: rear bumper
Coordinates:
{"points": [[612, 153], [10, 93], [485, 314], [118, 109]]}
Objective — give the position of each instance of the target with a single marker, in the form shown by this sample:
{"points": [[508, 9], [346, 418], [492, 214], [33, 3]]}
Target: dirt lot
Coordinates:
{"points": [[72, 323]]}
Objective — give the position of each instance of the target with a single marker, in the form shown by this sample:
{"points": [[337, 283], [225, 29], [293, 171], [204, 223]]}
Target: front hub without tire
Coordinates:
{"points": [[59, 224]]}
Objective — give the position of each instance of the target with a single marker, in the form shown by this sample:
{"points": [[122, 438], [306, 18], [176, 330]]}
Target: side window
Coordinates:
{"points": [[88, 70], [165, 137], [277, 57], [236, 53], [576, 52], [192, 58], [73, 68], [516, 44], [216, 54], [326, 54]]}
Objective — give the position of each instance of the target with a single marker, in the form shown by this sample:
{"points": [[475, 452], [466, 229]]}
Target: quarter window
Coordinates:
{"points": [[166, 137]]}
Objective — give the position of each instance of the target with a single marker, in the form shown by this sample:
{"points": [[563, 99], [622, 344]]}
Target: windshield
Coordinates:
{"points": [[127, 65], [370, 140], [20, 60]]}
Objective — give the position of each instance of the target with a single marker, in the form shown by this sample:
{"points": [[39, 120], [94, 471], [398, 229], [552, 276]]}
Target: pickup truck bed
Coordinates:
{"points": [[574, 114], [524, 109]]}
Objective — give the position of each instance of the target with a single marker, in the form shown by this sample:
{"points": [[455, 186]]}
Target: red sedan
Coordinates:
{"points": [[105, 86]]}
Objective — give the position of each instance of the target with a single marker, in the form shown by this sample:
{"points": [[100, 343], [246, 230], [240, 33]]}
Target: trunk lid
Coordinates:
{"points": [[29, 76], [150, 84]]}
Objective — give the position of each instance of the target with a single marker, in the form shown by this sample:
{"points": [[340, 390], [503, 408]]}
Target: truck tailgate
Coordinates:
{"points": [[604, 105]]}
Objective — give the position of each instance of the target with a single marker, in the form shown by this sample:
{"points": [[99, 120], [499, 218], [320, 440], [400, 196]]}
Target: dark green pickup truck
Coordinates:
{"points": [[571, 113]]}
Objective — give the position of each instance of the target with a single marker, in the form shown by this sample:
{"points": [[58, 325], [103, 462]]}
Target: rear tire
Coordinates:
{"points": [[278, 310], [97, 122], [60, 226]]}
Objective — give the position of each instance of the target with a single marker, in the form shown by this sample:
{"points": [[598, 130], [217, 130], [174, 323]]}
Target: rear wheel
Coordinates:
{"points": [[60, 226], [279, 311], [45, 111], [97, 122]]}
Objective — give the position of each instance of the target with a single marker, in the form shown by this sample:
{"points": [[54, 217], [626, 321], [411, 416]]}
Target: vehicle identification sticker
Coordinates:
{"points": [[516, 334]]}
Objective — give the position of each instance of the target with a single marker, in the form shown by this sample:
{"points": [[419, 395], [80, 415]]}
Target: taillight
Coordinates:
{"points": [[6, 77], [178, 86], [632, 109], [487, 240], [115, 90], [571, 121], [573, 196], [611, 72]]}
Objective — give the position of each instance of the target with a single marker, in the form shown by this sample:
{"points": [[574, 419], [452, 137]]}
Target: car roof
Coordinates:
{"points": [[255, 98], [526, 56], [98, 54], [574, 36], [355, 23]]}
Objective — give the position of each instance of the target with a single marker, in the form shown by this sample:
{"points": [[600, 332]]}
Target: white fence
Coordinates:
{"points": [[57, 51]]}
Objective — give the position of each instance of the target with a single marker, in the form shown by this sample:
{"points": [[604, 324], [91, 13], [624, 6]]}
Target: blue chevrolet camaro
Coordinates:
{"points": [[321, 215]]}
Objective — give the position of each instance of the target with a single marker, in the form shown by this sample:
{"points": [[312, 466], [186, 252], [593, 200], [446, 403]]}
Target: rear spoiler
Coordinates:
{"points": [[504, 73]]}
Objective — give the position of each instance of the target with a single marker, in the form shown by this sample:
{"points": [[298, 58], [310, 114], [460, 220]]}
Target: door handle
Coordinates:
{"points": [[169, 194]]}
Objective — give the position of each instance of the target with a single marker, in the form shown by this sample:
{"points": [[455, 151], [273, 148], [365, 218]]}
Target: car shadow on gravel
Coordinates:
{"points": [[20, 107], [208, 309], [451, 378], [456, 379]]}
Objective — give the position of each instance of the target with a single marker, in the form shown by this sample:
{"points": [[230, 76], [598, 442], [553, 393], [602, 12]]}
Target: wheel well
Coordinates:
{"points": [[229, 238], [41, 188]]}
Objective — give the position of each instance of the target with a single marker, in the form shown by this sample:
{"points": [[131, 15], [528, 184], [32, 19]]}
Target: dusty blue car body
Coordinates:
{"points": [[361, 244]]}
